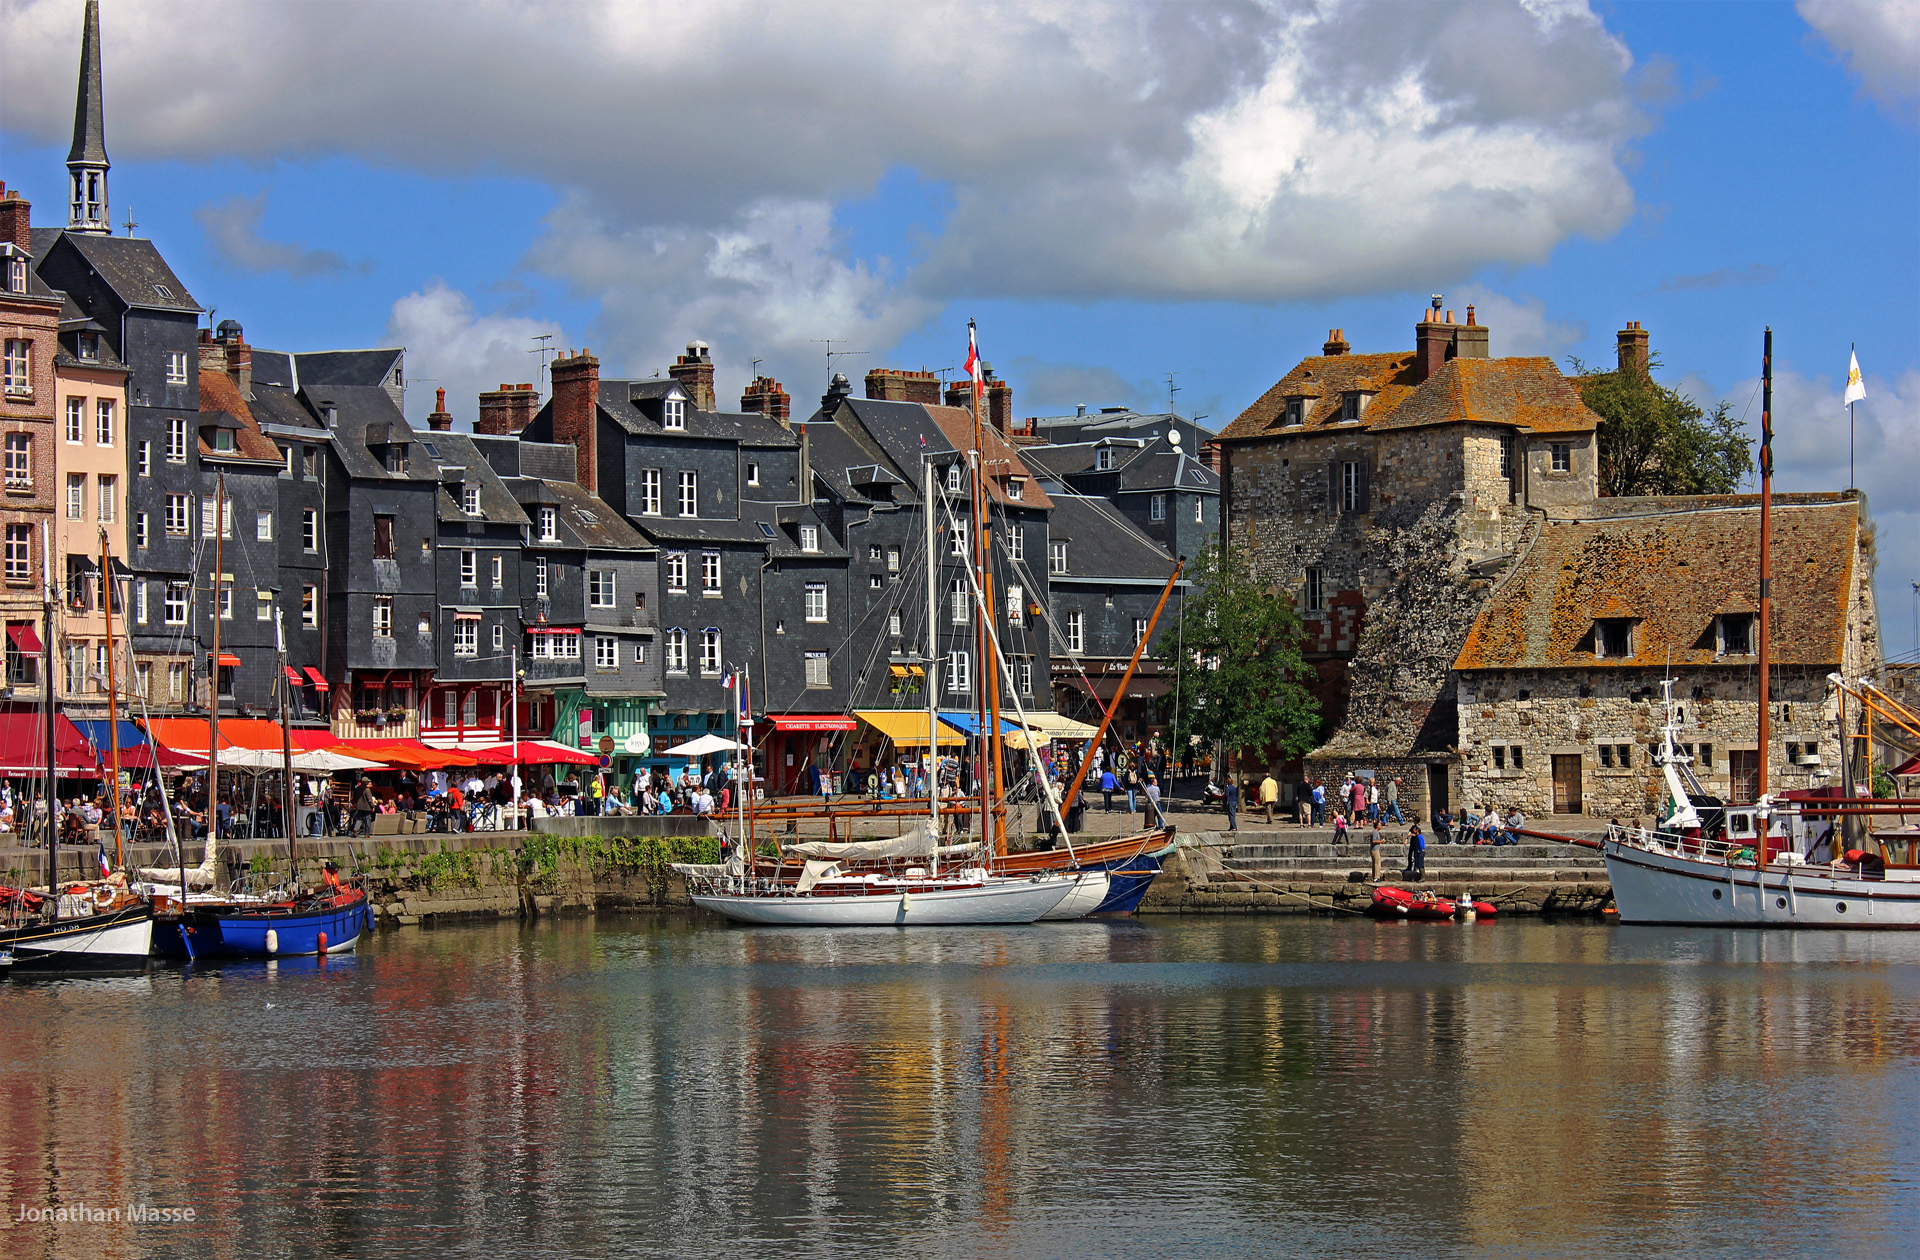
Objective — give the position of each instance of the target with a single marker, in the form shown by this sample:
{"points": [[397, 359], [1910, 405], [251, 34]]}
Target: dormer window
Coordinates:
{"points": [[16, 275], [1735, 634], [676, 415], [1016, 487], [1103, 459], [809, 538], [1296, 411], [1613, 637], [953, 479], [89, 346], [549, 525], [1353, 404], [223, 440], [396, 457], [470, 499]]}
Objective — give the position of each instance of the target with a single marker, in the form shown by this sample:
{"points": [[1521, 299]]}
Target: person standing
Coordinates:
{"points": [[1393, 800], [1269, 795], [1153, 800], [1373, 800], [1374, 847], [1108, 786], [1319, 802], [1133, 789], [1416, 853], [1230, 797]]}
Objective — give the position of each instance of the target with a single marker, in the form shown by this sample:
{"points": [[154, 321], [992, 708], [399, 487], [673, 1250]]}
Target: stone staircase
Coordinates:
{"points": [[1303, 861]]}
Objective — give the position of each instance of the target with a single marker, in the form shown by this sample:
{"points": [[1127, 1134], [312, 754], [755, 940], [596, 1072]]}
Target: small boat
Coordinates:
{"points": [[115, 940], [325, 922], [1130, 863], [876, 900], [1398, 903]]}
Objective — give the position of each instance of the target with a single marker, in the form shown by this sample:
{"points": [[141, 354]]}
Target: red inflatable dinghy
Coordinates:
{"points": [[1400, 904]]}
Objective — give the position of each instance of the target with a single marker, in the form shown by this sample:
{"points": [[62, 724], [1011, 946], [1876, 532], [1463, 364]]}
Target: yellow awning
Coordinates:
{"points": [[1054, 726], [898, 671], [906, 671], [907, 728]]}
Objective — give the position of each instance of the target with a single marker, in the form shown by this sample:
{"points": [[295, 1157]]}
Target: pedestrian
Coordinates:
{"points": [[1339, 829], [1269, 795], [1393, 800], [362, 809], [1133, 789], [1319, 802], [1108, 786], [1230, 796], [1153, 799], [1416, 853], [1373, 800], [1374, 848]]}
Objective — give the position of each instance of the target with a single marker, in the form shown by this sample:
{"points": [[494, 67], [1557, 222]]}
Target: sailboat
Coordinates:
{"points": [[1757, 864], [85, 927]]}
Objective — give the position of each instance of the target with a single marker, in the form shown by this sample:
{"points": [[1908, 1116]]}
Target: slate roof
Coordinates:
{"points": [[1164, 466], [618, 400], [1102, 544], [497, 504], [1672, 571], [330, 368], [1075, 429], [895, 429], [220, 396], [842, 457], [131, 267], [671, 530], [786, 521], [581, 518], [355, 408]]}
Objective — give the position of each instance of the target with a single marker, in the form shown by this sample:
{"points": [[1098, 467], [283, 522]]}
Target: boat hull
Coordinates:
{"points": [[1128, 885], [289, 933], [1669, 888], [1009, 902], [118, 941], [1129, 867], [1089, 893]]}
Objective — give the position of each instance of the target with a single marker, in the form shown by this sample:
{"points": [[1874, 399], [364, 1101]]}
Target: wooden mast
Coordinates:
{"points": [[108, 588], [213, 671], [1766, 573], [1107, 711], [47, 709], [992, 831]]}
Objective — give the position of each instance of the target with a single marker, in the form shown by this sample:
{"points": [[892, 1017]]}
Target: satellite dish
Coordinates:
{"points": [[1173, 436]]}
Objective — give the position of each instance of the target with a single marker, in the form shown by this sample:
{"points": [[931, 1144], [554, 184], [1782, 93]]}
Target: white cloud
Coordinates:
{"points": [[453, 347], [1519, 326], [1880, 42], [233, 230]]}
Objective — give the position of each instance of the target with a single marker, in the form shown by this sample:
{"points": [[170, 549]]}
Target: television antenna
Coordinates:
{"points": [[545, 351], [832, 354]]}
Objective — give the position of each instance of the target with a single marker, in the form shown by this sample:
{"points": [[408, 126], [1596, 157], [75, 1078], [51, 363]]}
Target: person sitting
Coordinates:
{"points": [[1515, 821], [1442, 825], [1489, 826], [536, 808]]}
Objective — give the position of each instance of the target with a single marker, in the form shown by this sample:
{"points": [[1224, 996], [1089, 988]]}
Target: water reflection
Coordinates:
{"points": [[1229, 1086]]}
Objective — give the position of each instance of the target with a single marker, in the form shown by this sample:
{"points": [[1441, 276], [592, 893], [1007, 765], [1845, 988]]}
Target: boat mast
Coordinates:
{"points": [[109, 588], [929, 658], [213, 679], [1766, 572], [1107, 711], [284, 687], [992, 834], [46, 701]]}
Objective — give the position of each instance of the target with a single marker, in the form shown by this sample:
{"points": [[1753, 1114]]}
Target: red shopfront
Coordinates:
{"points": [[797, 740]]}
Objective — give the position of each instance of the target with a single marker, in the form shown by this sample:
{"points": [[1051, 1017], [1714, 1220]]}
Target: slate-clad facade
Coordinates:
{"points": [[478, 564]]}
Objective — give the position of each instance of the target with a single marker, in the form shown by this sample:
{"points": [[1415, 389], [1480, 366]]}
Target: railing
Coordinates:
{"points": [[407, 727]]}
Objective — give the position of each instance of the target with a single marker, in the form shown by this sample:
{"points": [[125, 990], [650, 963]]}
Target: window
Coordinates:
{"points": [[876, 582], [18, 369], [817, 674], [1023, 675], [1506, 457], [893, 559], [176, 681], [1016, 606], [498, 571], [1157, 508], [76, 496], [310, 605], [893, 622], [382, 537], [600, 588], [469, 568], [140, 530], [649, 492], [1199, 511], [1076, 631], [689, 494], [606, 652], [1499, 757], [262, 524], [676, 413], [17, 283], [1517, 756], [176, 367], [1352, 488], [954, 474], [1056, 557], [753, 474], [19, 461], [143, 458], [816, 601], [549, 525], [873, 554], [19, 553], [957, 601], [1562, 456], [216, 512], [176, 440], [226, 597], [1016, 542], [1706, 756], [310, 530], [76, 668], [639, 654], [710, 572], [177, 513], [1613, 637], [470, 499], [309, 461], [540, 577], [1103, 459], [1736, 634], [959, 672], [143, 680], [1354, 405], [809, 538], [710, 651], [676, 651], [1316, 592], [176, 604], [263, 605], [396, 457], [1016, 487], [466, 638], [140, 602], [76, 421], [1296, 412], [957, 538], [1606, 756], [1139, 631], [383, 616]]}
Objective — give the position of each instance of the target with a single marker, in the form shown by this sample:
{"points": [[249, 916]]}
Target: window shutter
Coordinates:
{"points": [[1333, 485], [1366, 487]]}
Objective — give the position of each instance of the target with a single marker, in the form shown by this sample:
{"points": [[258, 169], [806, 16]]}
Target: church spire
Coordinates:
{"points": [[87, 161]]}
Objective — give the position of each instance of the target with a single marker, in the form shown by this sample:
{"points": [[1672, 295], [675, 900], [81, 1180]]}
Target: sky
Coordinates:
{"points": [[1117, 193]]}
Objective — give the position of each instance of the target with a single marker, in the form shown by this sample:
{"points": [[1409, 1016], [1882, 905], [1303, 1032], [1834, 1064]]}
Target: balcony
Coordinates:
{"points": [[353, 726]]}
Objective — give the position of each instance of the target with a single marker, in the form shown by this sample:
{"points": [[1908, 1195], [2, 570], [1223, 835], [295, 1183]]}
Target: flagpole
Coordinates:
{"points": [[1853, 349]]}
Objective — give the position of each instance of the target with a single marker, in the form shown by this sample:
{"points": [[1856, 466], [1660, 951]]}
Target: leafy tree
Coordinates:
{"points": [[1235, 650], [1657, 440]]}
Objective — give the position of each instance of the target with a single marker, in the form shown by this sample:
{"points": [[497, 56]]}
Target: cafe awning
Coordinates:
{"points": [[906, 671], [185, 735], [316, 678], [23, 746], [812, 722], [906, 727], [1055, 726], [229, 660], [970, 723]]}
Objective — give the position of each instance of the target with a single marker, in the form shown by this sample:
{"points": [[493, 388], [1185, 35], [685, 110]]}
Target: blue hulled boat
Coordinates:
{"points": [[328, 922]]}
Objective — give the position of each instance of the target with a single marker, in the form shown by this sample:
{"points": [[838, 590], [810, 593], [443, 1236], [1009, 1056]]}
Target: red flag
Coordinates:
{"points": [[973, 361]]}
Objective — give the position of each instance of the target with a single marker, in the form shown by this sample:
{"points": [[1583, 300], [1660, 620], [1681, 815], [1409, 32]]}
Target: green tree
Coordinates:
{"points": [[1235, 649], [1657, 440]]}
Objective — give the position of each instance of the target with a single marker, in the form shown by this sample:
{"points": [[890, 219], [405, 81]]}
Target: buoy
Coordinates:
{"points": [[906, 900], [1466, 909], [321, 941], [273, 941]]}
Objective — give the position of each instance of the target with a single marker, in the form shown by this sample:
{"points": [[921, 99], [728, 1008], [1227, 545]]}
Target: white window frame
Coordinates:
{"points": [[174, 606], [649, 492], [103, 422], [710, 652], [816, 601], [1016, 542], [809, 538], [466, 638], [19, 469], [1157, 507], [540, 577], [1057, 557], [675, 415], [469, 568], [140, 602], [1076, 630], [498, 566], [1315, 594], [689, 493], [309, 605], [143, 457], [263, 526], [310, 530], [677, 572], [176, 440], [76, 421], [600, 585], [818, 669], [176, 367], [470, 499], [549, 525], [753, 474], [383, 616], [957, 538], [140, 527], [710, 578], [959, 671], [676, 639], [606, 652], [959, 605], [263, 605], [179, 514], [499, 637], [76, 496], [17, 368]]}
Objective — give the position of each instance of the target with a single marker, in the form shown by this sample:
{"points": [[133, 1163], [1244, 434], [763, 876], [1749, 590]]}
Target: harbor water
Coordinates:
{"points": [[1186, 1086]]}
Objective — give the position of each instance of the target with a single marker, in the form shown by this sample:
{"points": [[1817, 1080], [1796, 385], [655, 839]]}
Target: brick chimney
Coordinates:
{"points": [[765, 398], [1432, 342], [441, 420], [694, 371], [507, 410], [902, 385], [1470, 339], [1632, 348], [1336, 342], [16, 216], [576, 399], [996, 400]]}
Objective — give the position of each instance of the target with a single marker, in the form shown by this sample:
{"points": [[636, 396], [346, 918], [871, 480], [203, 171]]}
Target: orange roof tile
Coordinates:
{"points": [[997, 455], [219, 392], [1527, 393]]}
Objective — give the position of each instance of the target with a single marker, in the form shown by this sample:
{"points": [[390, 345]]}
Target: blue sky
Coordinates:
{"points": [[1116, 192]]}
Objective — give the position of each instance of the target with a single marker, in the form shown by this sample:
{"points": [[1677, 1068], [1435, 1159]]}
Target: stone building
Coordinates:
{"points": [[1560, 679], [1383, 493]]}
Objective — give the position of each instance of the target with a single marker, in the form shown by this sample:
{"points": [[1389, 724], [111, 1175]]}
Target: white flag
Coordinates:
{"points": [[1856, 388]]}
